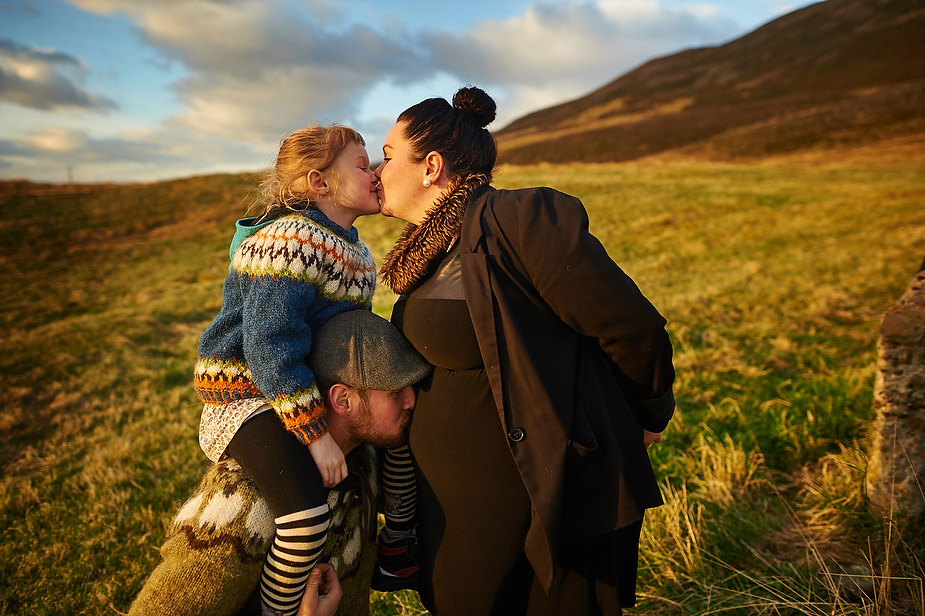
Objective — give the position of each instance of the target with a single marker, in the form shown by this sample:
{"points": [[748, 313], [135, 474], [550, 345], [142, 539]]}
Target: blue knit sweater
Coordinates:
{"points": [[287, 277]]}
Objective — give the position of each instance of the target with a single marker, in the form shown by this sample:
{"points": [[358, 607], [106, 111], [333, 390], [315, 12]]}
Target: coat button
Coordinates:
{"points": [[516, 435]]}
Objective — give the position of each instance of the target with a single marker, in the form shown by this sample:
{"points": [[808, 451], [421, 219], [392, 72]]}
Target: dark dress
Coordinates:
{"points": [[473, 509]]}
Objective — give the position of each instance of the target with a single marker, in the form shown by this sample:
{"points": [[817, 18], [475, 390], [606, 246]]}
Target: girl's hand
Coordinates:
{"points": [[329, 459], [650, 438]]}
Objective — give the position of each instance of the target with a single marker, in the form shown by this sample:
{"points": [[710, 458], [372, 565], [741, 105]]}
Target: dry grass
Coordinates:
{"points": [[772, 277], [806, 566]]}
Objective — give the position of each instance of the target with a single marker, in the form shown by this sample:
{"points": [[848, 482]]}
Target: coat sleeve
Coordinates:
{"points": [[577, 279]]}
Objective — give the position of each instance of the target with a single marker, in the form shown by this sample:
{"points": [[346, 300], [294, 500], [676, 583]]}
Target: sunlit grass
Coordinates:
{"points": [[773, 278]]}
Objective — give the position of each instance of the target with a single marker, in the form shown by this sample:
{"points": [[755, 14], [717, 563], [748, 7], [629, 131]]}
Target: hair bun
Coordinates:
{"points": [[476, 104]]}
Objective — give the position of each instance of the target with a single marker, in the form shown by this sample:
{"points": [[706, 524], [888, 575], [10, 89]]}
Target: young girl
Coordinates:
{"points": [[292, 268]]}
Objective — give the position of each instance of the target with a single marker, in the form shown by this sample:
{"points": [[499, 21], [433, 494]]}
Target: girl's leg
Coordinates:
{"points": [[396, 563], [288, 479], [400, 492]]}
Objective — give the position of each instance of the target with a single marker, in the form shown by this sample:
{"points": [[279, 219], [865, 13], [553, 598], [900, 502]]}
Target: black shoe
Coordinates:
{"points": [[396, 564]]}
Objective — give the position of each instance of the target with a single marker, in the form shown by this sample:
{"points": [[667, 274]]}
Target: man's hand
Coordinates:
{"points": [[322, 592], [649, 438]]}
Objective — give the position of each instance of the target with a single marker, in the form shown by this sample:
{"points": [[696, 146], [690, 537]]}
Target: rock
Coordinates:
{"points": [[896, 473]]}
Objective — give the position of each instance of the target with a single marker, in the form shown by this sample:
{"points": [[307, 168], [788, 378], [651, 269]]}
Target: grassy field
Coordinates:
{"points": [[773, 277]]}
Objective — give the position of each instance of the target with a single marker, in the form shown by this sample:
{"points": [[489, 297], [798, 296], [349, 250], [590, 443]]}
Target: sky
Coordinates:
{"points": [[144, 90]]}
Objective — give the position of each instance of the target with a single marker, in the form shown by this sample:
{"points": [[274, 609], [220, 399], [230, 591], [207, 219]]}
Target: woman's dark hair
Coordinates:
{"points": [[456, 131]]}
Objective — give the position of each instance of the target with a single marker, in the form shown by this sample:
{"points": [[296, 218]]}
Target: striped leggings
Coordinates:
{"points": [[288, 479], [400, 489]]}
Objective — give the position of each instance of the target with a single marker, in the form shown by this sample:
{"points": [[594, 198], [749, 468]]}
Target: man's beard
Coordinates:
{"points": [[364, 431]]}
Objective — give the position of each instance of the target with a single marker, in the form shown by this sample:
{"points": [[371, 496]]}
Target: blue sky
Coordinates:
{"points": [[140, 90]]}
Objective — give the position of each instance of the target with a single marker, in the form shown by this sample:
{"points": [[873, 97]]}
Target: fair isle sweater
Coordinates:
{"points": [[287, 277], [213, 555]]}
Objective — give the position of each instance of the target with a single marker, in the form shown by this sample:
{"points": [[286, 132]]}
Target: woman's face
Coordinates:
{"points": [[401, 190]]}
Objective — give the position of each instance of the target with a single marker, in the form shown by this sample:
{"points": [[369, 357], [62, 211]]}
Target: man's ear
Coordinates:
{"points": [[339, 399]]}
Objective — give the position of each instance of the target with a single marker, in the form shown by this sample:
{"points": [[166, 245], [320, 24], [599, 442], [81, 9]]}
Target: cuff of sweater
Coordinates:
{"points": [[303, 414]]}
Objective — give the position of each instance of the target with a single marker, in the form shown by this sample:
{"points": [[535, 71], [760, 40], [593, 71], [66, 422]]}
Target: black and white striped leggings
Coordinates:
{"points": [[400, 489]]}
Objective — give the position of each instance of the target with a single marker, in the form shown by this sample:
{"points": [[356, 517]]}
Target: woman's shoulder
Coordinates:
{"points": [[526, 197], [538, 202]]}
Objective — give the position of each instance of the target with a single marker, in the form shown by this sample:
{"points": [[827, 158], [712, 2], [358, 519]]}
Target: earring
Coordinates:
{"points": [[426, 183]]}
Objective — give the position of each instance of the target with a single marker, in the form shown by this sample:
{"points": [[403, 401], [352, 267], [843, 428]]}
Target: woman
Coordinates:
{"points": [[552, 375]]}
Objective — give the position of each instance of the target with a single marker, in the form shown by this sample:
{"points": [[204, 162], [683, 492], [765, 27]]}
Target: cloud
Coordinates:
{"points": [[35, 78], [259, 69], [145, 155], [68, 146], [255, 70], [556, 51]]}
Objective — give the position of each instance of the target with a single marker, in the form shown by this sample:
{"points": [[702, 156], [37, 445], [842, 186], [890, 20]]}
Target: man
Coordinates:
{"points": [[214, 551]]}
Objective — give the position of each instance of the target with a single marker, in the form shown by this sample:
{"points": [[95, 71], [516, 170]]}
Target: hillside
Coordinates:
{"points": [[773, 278], [841, 73]]}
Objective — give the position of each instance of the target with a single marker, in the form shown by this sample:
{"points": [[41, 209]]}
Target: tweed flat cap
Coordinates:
{"points": [[361, 349]]}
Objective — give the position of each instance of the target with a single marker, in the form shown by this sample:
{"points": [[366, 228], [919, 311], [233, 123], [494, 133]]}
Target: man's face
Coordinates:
{"points": [[383, 418]]}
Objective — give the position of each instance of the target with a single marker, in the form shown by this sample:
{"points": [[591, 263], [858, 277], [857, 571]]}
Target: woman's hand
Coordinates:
{"points": [[322, 592], [329, 459], [650, 438]]}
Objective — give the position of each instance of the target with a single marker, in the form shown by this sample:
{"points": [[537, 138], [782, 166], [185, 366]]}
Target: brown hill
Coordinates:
{"points": [[838, 73]]}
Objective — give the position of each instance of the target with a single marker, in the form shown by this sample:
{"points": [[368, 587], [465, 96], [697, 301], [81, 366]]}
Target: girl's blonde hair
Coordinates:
{"points": [[313, 147]]}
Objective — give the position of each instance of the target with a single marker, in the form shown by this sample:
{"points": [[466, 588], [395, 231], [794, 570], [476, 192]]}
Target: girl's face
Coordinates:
{"points": [[354, 191], [401, 190]]}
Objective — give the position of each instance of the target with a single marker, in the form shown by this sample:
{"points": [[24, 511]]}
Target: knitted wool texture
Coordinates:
{"points": [[214, 551], [285, 280]]}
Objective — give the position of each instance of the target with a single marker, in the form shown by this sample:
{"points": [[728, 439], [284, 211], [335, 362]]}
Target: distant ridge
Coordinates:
{"points": [[839, 73]]}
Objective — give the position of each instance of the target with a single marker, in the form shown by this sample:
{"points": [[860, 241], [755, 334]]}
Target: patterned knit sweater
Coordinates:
{"points": [[213, 554], [287, 277]]}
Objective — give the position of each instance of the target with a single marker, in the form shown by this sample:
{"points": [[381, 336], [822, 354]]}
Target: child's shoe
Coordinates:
{"points": [[396, 563]]}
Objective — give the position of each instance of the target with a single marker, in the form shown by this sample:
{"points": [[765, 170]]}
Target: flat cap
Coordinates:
{"points": [[361, 349]]}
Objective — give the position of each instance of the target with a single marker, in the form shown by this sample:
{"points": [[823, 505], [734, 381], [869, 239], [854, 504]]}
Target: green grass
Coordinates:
{"points": [[773, 279]]}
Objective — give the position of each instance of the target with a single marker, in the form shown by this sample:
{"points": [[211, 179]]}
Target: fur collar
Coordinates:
{"points": [[420, 247]]}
